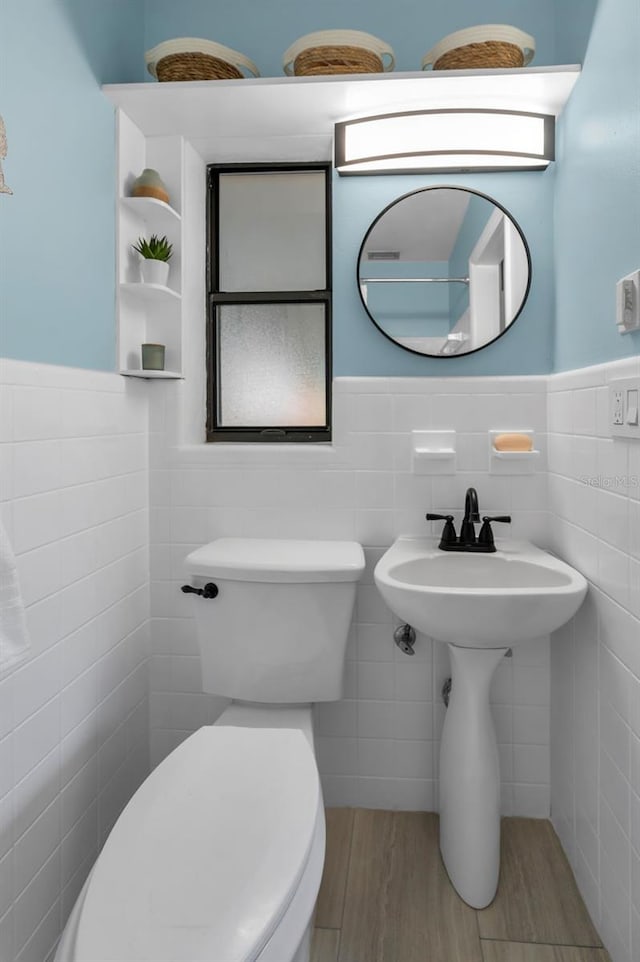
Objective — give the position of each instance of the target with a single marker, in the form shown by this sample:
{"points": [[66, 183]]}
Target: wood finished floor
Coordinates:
{"points": [[386, 897]]}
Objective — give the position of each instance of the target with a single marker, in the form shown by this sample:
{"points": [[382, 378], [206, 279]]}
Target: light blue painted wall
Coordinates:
{"points": [[263, 30], [57, 230], [597, 213], [574, 19], [360, 349]]}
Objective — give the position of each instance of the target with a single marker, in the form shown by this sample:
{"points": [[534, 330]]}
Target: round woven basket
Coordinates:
{"points": [[336, 60], [195, 66], [192, 58], [483, 47], [491, 53], [337, 52]]}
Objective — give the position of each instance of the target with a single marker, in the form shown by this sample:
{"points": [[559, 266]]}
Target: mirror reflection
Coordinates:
{"points": [[444, 271]]}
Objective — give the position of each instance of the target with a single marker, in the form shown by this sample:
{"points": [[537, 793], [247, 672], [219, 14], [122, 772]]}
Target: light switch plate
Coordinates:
{"points": [[628, 303], [624, 414]]}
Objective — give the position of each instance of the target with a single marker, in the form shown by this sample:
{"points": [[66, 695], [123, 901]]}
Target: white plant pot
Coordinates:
{"points": [[155, 272]]}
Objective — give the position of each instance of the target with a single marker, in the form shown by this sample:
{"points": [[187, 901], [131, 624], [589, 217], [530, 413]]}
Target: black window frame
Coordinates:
{"points": [[217, 298]]}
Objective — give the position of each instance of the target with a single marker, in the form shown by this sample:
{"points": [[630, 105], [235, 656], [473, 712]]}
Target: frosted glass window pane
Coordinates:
{"points": [[272, 231], [272, 365]]}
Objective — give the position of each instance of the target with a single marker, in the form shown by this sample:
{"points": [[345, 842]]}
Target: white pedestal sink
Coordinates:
{"points": [[481, 605]]}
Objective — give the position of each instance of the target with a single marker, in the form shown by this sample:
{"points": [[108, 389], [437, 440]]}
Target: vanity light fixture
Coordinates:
{"points": [[460, 139]]}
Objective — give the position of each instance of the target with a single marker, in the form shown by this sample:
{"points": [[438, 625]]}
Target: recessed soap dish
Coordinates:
{"points": [[433, 452], [512, 462]]}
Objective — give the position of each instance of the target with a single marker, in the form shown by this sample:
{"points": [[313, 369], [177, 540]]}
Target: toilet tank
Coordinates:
{"points": [[277, 630]]}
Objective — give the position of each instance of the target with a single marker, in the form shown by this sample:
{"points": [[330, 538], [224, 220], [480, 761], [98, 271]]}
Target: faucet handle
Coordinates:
{"points": [[449, 535], [486, 533]]}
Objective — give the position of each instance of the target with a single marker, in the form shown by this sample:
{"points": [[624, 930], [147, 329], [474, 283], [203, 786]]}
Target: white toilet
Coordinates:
{"points": [[218, 856]]}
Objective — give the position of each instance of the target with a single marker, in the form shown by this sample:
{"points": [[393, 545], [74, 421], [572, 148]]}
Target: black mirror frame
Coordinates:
{"points": [[468, 190]]}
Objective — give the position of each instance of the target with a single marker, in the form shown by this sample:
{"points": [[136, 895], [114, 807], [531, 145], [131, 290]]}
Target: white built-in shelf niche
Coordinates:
{"points": [[148, 313], [178, 128]]}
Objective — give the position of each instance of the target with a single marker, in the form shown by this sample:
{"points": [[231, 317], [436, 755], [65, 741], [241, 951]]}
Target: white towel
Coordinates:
{"points": [[14, 636]]}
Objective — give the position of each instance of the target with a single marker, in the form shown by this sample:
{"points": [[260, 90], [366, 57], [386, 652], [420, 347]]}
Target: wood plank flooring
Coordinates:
{"points": [[532, 861], [330, 904], [324, 947], [386, 897]]}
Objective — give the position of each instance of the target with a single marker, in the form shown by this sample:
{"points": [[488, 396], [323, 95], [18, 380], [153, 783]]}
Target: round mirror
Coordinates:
{"points": [[444, 271]]}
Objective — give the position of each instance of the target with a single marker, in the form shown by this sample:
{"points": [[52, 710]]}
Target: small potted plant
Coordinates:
{"points": [[156, 253]]}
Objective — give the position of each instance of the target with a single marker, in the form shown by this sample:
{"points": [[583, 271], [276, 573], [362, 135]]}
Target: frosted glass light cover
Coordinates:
{"points": [[456, 131], [471, 139], [272, 231], [272, 365]]}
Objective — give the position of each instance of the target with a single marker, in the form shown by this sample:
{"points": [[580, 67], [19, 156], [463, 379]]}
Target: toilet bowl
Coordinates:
{"points": [[218, 856]]}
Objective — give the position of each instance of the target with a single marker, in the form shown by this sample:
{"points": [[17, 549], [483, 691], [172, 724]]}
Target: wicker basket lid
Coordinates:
{"points": [[338, 38], [481, 34], [197, 45]]}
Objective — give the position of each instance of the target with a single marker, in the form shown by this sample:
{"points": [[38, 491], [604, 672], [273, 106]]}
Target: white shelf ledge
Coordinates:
{"points": [[259, 112], [152, 210], [149, 375], [151, 293]]}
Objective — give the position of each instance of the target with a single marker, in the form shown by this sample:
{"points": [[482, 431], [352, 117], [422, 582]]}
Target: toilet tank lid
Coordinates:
{"points": [[277, 560], [206, 857]]}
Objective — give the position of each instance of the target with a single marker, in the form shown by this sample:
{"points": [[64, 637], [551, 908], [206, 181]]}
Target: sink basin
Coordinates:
{"points": [[479, 600]]}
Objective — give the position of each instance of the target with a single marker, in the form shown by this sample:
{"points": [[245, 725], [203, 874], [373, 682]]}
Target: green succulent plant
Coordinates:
{"points": [[154, 249]]}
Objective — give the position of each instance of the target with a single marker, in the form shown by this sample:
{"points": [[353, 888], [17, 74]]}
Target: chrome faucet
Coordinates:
{"points": [[467, 540]]}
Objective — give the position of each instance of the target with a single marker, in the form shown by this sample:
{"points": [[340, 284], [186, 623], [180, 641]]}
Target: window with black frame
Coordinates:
{"points": [[269, 282]]}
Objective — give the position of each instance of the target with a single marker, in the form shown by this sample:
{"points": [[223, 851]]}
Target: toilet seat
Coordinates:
{"points": [[247, 799]]}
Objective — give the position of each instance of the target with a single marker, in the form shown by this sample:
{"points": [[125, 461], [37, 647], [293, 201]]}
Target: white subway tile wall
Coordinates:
{"points": [[93, 514], [594, 501], [378, 747], [74, 715]]}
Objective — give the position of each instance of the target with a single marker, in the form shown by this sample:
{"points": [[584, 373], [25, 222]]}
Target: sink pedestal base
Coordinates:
{"points": [[470, 778]]}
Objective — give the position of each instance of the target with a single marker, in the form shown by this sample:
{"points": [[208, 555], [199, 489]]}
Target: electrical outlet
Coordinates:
{"points": [[617, 416], [624, 402]]}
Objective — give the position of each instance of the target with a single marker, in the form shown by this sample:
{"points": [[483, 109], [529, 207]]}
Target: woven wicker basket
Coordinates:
{"points": [[190, 58], [336, 60], [484, 47], [195, 66], [337, 52], [491, 53]]}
